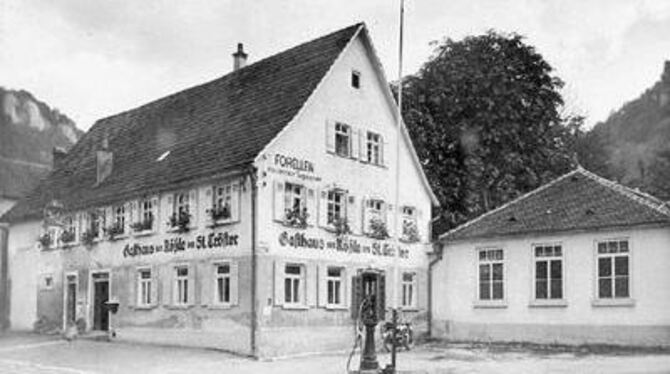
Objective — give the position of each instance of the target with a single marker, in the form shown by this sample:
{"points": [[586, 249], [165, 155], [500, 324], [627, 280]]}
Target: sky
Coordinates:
{"points": [[94, 58]]}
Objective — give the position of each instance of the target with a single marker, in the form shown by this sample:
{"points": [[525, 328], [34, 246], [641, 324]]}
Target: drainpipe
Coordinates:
{"points": [[254, 270], [439, 248], [4, 276]]}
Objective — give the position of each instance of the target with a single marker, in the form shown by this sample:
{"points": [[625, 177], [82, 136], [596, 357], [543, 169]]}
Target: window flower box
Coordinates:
{"points": [[88, 237], [67, 237], [45, 240], [219, 213], [296, 217], [378, 229], [341, 227], [143, 225], [180, 222], [114, 231], [410, 233]]}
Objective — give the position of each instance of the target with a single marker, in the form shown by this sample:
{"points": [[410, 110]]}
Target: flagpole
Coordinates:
{"points": [[398, 230]]}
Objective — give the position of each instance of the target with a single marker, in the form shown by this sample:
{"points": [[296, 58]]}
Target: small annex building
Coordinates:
{"points": [[579, 260], [233, 215]]}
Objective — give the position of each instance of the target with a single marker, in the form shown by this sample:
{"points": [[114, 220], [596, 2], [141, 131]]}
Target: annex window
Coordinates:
{"points": [[613, 269], [408, 290], [548, 272], [342, 140], [293, 282], [374, 148], [144, 287], [336, 206], [223, 203], [181, 286], [334, 286], [355, 79], [491, 274], [222, 284]]}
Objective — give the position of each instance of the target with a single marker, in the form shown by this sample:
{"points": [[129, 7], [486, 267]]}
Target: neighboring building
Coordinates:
{"points": [[212, 215], [579, 260]]}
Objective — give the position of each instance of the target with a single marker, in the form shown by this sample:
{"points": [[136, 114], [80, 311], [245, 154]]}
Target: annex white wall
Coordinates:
{"points": [[455, 287], [23, 269]]}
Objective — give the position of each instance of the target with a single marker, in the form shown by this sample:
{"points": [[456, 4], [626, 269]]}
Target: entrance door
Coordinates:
{"points": [[100, 297], [71, 300]]}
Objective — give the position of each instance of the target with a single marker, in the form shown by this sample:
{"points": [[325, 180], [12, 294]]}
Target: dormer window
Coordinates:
{"points": [[355, 79]]}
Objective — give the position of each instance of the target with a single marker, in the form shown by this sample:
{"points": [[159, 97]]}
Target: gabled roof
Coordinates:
{"points": [[578, 200], [217, 127]]}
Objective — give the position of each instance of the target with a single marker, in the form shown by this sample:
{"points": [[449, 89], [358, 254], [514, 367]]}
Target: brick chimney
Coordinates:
{"points": [[239, 58], [58, 155], [104, 159]]}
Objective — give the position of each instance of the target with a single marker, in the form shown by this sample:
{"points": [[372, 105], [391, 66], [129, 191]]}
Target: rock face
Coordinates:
{"points": [[29, 131]]}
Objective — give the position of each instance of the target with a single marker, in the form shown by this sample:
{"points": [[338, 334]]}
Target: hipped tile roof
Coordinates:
{"points": [[213, 128], [579, 200]]}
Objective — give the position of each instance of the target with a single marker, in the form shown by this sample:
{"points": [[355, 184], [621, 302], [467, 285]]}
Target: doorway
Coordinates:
{"points": [[70, 299], [100, 297]]}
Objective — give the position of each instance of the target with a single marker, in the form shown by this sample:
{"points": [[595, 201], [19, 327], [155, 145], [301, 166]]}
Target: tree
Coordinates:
{"points": [[484, 115], [658, 181]]}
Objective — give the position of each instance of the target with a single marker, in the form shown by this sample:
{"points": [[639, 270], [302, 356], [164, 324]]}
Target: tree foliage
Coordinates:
{"points": [[485, 117]]}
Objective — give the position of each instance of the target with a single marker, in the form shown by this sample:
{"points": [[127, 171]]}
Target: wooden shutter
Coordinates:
{"points": [[235, 200], [207, 283], [354, 144], [352, 214], [362, 146], [279, 283], [312, 211], [310, 284], [132, 281], [323, 287], [323, 208], [419, 291], [234, 282], [346, 288], [130, 215], [155, 209], [390, 219], [384, 153], [207, 203], [192, 278], [155, 277], [193, 207], [330, 136], [168, 210], [168, 284], [278, 193], [356, 295], [390, 286], [365, 219]]}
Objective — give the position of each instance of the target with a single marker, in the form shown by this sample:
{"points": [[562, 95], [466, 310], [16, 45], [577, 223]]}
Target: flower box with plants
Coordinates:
{"points": [[114, 231], [180, 222], [410, 233], [88, 237], [296, 217], [219, 213], [67, 237], [341, 226], [377, 229], [146, 224], [45, 240]]}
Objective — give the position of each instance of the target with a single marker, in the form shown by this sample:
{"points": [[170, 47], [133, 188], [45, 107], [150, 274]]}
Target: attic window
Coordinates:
{"points": [[355, 79], [163, 156], [590, 212], [512, 219]]}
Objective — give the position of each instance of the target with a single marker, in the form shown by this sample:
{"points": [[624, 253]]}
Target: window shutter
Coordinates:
{"points": [[154, 285], [384, 152], [346, 293], [362, 146], [130, 215], [207, 203], [390, 220], [279, 283], [310, 284], [207, 284], [278, 201], [323, 208], [420, 227], [390, 285], [323, 286], [235, 202], [192, 278], [311, 207], [193, 207], [352, 214], [421, 296], [365, 220], [356, 295], [168, 211], [354, 145], [168, 285], [133, 282], [330, 136], [234, 283], [156, 211]]}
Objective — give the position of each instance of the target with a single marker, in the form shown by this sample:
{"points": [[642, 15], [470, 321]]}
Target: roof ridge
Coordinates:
{"points": [[509, 203], [637, 196]]}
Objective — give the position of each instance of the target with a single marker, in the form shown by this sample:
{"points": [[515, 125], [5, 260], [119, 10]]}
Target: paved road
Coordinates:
{"points": [[40, 355]]}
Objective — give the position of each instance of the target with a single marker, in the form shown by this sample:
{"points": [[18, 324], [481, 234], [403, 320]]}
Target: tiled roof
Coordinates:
{"points": [[209, 129], [17, 178], [579, 200]]}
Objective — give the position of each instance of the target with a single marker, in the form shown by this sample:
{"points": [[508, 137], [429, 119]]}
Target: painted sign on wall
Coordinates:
{"points": [[178, 244], [343, 244], [293, 167]]}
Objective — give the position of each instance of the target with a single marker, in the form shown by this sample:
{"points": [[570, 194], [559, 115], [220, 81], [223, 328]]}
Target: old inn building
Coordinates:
{"points": [[234, 214]]}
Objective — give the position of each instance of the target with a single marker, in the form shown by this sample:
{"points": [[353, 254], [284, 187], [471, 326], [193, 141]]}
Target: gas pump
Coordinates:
{"points": [[369, 308]]}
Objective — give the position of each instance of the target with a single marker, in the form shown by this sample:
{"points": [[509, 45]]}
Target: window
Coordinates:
{"points": [[408, 290], [336, 206], [119, 219], [355, 79], [548, 272], [294, 198], [223, 197], [222, 286], [342, 140], [375, 209], [146, 215], [334, 286], [144, 285], [293, 278], [69, 233], [94, 223], [491, 274], [181, 203], [374, 146], [181, 296], [613, 269], [410, 230], [47, 282]]}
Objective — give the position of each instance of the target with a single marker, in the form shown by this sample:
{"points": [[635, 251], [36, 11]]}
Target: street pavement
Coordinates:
{"points": [[33, 354]]}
